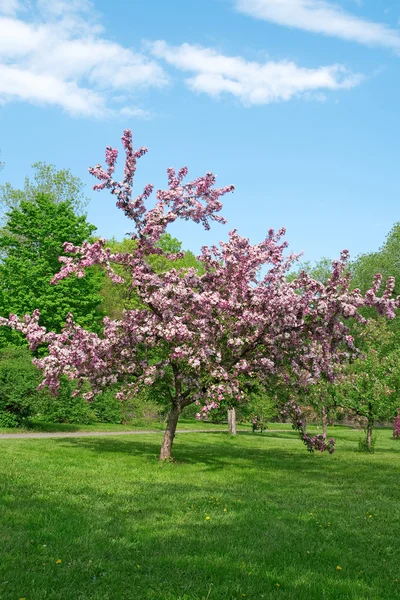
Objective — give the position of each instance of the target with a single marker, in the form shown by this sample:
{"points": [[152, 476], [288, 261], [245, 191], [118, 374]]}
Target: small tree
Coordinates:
{"points": [[371, 383], [200, 336]]}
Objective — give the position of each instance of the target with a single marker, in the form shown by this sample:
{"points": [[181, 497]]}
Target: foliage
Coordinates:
{"points": [[386, 261], [259, 407], [60, 186], [370, 385], [199, 336], [106, 407], [122, 296], [33, 241], [19, 380], [320, 271], [65, 407]]}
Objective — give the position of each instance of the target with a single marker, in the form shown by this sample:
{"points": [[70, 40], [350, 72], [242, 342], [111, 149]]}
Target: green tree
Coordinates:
{"points": [[367, 387], [385, 261], [370, 385], [117, 297], [321, 270], [31, 242], [60, 185]]}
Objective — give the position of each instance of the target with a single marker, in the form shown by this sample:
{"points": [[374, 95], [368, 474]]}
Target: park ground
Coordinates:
{"points": [[249, 517]]}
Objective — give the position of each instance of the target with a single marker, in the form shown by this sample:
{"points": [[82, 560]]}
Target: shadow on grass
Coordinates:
{"points": [[248, 452], [45, 426], [145, 535]]}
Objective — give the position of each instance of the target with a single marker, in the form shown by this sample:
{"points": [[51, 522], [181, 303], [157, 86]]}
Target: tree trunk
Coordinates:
{"points": [[370, 427], [324, 422], [232, 421], [169, 434]]}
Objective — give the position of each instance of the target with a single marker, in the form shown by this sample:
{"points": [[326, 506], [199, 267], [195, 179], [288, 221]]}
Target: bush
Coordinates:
{"points": [[144, 407], [19, 378], [107, 408], [189, 412], [64, 408]]}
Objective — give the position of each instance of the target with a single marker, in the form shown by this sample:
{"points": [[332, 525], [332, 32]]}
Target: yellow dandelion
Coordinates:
{"points": [[225, 509], [370, 517], [277, 585], [339, 568], [59, 561], [208, 518]]}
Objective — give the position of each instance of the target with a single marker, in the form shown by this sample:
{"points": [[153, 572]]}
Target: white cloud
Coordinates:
{"points": [[56, 55], [252, 82], [9, 7], [320, 16]]}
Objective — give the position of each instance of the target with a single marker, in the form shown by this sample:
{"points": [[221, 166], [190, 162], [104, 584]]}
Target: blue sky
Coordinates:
{"points": [[296, 102]]}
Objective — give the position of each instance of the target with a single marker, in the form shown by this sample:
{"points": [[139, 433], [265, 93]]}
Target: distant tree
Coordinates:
{"points": [[320, 270], [120, 297], [59, 185], [370, 385], [32, 242], [385, 261]]}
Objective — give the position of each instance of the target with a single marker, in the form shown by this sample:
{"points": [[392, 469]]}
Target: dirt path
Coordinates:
{"points": [[72, 434], [67, 434]]}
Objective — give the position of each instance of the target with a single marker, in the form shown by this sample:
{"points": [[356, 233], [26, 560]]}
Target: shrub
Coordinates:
{"points": [[107, 408], [64, 408], [19, 378], [144, 407]]}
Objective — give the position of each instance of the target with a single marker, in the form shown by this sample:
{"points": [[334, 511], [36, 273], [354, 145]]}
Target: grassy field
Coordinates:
{"points": [[249, 517]]}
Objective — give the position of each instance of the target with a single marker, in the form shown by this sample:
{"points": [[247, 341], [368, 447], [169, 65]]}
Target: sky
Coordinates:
{"points": [[295, 102]]}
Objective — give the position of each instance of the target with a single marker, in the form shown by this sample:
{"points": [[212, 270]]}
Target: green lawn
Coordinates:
{"points": [[252, 517]]}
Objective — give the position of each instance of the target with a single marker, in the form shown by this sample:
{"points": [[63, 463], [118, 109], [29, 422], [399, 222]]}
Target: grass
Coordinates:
{"points": [[102, 519]]}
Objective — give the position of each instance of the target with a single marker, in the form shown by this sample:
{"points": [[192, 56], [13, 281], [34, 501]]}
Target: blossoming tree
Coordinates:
{"points": [[200, 335]]}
